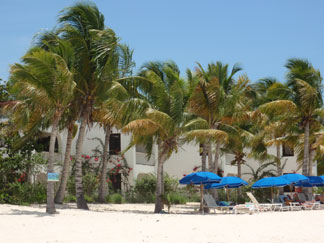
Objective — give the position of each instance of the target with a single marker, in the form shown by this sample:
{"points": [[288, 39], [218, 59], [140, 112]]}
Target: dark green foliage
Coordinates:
{"points": [[115, 198], [177, 198], [23, 193], [145, 187], [90, 185], [70, 198]]}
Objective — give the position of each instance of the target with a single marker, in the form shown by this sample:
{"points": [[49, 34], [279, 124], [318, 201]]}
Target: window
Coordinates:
{"points": [[287, 150], [114, 144], [42, 144], [140, 148], [115, 182]]}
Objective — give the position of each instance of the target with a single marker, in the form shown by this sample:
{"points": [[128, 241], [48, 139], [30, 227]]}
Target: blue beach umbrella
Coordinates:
{"points": [[228, 182], [271, 182], [317, 181], [294, 178], [200, 178]]}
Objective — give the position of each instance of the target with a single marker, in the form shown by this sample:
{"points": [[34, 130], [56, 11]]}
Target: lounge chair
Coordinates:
{"points": [[285, 203], [306, 204], [259, 207], [211, 204]]}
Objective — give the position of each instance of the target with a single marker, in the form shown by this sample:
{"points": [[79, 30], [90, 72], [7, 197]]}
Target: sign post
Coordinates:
{"points": [[52, 176]]}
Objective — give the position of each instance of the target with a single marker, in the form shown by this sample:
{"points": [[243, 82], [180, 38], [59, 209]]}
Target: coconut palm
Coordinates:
{"points": [[270, 131], [95, 54], [50, 41], [112, 110], [305, 104], [164, 122], [210, 102], [44, 84]]}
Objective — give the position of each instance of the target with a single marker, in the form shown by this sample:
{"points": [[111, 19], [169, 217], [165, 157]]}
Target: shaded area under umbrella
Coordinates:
{"points": [[294, 178], [271, 182], [200, 178], [228, 182], [317, 181]]}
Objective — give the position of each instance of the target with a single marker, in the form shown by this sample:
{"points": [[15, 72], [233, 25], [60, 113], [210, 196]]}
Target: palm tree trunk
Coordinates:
{"points": [[103, 187], [159, 184], [306, 149], [239, 174], [66, 166], [216, 159], [311, 159], [203, 157], [279, 171], [50, 206], [81, 202], [215, 168], [210, 156]]}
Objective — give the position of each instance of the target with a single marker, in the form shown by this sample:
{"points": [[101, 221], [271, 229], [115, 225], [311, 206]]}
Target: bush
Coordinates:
{"points": [[90, 184], [89, 199], [70, 198], [23, 193], [115, 198], [176, 198], [146, 186]]}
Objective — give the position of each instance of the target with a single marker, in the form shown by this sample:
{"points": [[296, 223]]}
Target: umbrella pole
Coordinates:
{"points": [[201, 197], [227, 194], [271, 194]]}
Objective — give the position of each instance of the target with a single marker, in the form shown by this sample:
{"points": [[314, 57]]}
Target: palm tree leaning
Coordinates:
{"points": [[95, 48], [49, 40], [208, 101], [164, 122], [305, 105], [45, 82]]}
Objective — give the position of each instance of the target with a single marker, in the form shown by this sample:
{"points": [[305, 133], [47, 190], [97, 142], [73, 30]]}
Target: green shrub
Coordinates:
{"points": [[69, 198], [176, 198], [89, 199], [23, 193], [115, 198], [146, 186], [90, 184]]}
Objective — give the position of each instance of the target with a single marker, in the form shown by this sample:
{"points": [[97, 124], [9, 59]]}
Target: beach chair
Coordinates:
{"points": [[285, 203], [211, 204], [259, 207], [305, 204]]}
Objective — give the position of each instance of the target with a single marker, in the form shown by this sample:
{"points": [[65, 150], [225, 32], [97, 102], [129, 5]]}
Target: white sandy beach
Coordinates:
{"points": [[136, 223]]}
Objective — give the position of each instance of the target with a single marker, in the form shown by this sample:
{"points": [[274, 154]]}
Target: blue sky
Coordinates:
{"points": [[259, 34]]}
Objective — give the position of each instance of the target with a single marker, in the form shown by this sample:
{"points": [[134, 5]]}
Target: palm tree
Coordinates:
{"points": [[112, 110], [164, 122], [208, 101], [49, 41], [44, 83], [305, 105], [270, 130], [95, 54]]}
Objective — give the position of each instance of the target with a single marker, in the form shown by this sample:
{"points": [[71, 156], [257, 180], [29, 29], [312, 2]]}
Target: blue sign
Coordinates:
{"points": [[52, 176]]}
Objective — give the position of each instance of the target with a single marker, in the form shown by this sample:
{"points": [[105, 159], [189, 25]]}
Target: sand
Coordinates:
{"points": [[136, 223]]}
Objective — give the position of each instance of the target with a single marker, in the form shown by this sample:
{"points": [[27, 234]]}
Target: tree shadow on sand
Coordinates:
{"points": [[27, 212]]}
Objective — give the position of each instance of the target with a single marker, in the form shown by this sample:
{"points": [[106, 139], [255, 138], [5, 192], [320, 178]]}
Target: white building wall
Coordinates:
{"points": [[180, 163]]}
